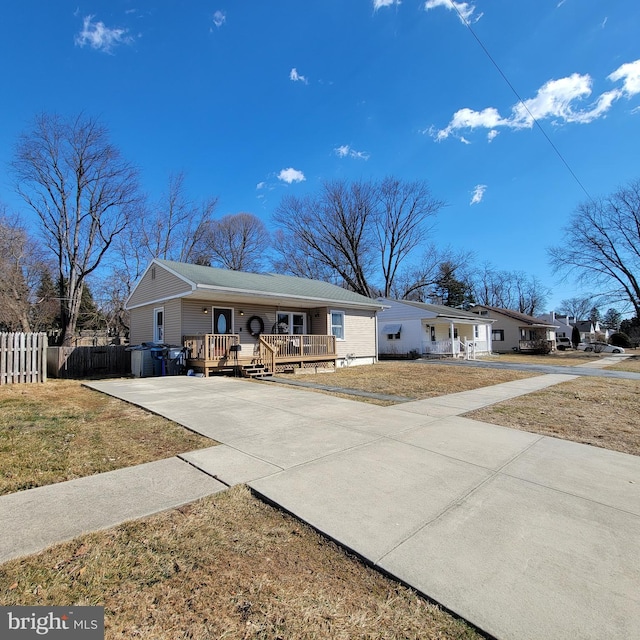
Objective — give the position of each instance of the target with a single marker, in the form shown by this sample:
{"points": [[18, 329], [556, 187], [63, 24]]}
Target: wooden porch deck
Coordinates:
{"points": [[275, 353]]}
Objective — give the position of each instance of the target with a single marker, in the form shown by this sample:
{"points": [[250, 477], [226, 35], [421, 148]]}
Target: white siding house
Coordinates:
{"points": [[419, 328]]}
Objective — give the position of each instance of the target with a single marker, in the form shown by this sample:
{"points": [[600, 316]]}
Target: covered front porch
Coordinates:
{"points": [[456, 338], [456, 348], [536, 340], [271, 353]]}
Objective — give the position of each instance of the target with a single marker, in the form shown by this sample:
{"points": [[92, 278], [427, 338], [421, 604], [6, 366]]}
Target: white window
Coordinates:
{"points": [[476, 331], [292, 323], [392, 331], [337, 324], [158, 324]]}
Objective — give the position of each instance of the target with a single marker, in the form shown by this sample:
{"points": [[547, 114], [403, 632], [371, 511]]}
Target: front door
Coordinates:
{"points": [[222, 320]]}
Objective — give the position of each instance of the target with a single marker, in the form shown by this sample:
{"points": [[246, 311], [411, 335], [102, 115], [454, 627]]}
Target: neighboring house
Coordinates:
{"points": [[515, 331], [592, 331], [563, 324], [589, 331], [235, 319], [431, 329]]}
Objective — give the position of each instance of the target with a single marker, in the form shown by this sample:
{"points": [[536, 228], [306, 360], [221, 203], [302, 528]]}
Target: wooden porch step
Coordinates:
{"points": [[255, 371]]}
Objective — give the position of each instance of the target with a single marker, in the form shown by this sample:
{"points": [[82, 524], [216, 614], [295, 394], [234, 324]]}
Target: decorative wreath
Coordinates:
{"points": [[250, 326]]}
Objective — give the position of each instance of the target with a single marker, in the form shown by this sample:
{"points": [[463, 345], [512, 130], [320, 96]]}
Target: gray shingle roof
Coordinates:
{"points": [[440, 309], [266, 284], [516, 315]]}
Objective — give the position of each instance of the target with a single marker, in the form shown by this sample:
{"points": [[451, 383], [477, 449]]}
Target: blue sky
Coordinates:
{"points": [[255, 99]]}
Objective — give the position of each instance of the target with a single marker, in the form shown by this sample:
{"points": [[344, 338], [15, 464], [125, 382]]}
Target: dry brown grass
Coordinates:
{"points": [[413, 380], [631, 364], [595, 411], [228, 566], [555, 359], [61, 430]]}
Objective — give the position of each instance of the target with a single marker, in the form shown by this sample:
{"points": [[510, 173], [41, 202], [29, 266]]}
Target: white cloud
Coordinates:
{"points": [[291, 175], [296, 77], [100, 37], [219, 18], [556, 99], [478, 194], [561, 101], [465, 10], [469, 119], [261, 185], [464, 140], [377, 4], [629, 73], [345, 151]]}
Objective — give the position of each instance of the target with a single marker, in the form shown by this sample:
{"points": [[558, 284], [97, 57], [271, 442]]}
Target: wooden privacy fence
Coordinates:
{"points": [[23, 357], [83, 362]]}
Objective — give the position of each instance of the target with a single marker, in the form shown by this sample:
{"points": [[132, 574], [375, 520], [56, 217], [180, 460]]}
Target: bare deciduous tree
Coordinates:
{"points": [[577, 307], [19, 268], [418, 282], [602, 244], [237, 242], [515, 290], [348, 228], [403, 209], [83, 193], [172, 228], [175, 228], [336, 228]]}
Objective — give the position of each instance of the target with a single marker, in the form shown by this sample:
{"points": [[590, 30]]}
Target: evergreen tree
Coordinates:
{"points": [[612, 319], [575, 337]]}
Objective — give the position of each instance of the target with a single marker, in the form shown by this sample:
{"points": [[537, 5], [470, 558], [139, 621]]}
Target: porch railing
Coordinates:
{"points": [[210, 346], [441, 347], [300, 346], [271, 347], [536, 345]]}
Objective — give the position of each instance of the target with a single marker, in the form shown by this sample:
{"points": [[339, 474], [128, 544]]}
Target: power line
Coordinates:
{"points": [[520, 100]]}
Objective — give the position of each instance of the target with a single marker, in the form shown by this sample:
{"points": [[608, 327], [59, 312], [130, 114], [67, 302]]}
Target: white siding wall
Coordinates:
{"points": [[511, 330], [359, 336], [412, 334]]}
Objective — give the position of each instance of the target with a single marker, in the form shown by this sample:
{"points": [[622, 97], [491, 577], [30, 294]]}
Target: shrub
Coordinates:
{"points": [[620, 339]]}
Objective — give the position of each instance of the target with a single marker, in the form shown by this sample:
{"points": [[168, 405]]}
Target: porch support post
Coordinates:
{"points": [[452, 333]]}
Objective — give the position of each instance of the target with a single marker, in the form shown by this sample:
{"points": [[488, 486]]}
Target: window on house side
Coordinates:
{"points": [[497, 335], [158, 324], [337, 324]]}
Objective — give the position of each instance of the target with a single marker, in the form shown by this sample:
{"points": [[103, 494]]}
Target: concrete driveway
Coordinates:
{"points": [[523, 535]]}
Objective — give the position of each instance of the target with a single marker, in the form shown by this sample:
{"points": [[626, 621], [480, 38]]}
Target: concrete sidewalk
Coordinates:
{"points": [[525, 536], [37, 518], [594, 368]]}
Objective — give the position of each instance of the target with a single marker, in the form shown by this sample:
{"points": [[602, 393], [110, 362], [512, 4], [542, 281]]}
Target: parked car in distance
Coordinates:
{"points": [[602, 347], [563, 343]]}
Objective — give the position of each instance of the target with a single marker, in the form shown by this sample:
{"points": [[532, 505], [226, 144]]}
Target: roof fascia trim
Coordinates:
{"points": [[155, 262], [265, 294]]}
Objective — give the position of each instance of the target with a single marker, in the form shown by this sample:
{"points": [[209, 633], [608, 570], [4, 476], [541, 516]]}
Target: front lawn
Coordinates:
{"points": [[227, 566], [412, 380], [61, 430]]}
